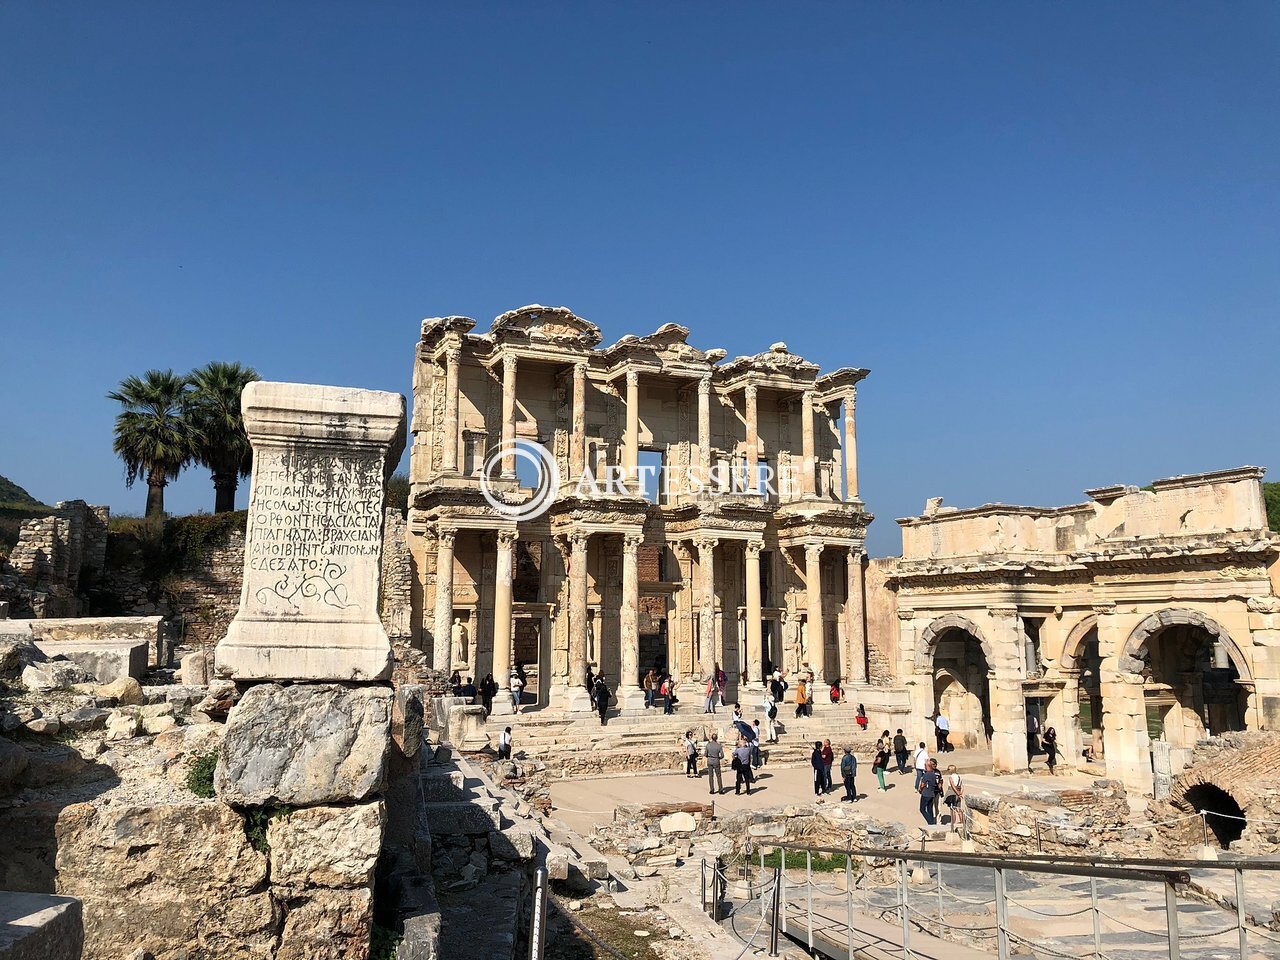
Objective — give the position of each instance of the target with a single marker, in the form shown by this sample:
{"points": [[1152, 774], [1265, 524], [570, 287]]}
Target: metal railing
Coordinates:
{"points": [[780, 906]]}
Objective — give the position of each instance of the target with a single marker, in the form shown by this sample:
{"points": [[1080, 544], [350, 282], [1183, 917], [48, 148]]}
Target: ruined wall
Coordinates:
{"points": [[56, 559], [882, 622], [397, 577]]}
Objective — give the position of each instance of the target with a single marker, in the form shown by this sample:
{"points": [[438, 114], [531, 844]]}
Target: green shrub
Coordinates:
{"points": [[383, 943], [200, 776], [256, 821]]}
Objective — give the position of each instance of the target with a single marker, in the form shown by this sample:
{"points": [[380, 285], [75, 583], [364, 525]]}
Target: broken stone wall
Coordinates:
{"points": [[55, 561]]}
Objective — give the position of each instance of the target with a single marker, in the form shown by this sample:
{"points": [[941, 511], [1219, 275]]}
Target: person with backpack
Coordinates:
{"points": [[955, 798], [900, 750], [819, 769], [930, 786], [690, 755], [669, 696], [848, 771], [742, 768], [714, 752], [881, 762], [601, 698]]}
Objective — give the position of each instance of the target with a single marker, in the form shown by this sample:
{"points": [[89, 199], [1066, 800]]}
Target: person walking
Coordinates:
{"points": [[810, 695], [828, 758], [1033, 733], [801, 698], [690, 755], [669, 696], [942, 729], [929, 786], [777, 687], [920, 761], [488, 687], [848, 771], [955, 799], [1050, 741], [899, 749], [650, 687], [756, 759], [862, 718], [601, 698], [714, 752], [712, 694], [722, 682], [504, 744], [836, 691], [881, 762], [819, 769], [516, 682], [742, 768]]}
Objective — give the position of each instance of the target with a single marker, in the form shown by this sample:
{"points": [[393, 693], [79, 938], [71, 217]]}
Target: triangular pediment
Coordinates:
{"points": [[553, 324]]}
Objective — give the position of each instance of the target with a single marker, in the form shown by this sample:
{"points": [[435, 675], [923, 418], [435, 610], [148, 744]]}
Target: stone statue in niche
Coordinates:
{"points": [[592, 656], [460, 652]]}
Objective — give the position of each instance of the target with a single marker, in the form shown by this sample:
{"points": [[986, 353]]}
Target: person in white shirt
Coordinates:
{"points": [[504, 744], [942, 727], [921, 759], [517, 687]]}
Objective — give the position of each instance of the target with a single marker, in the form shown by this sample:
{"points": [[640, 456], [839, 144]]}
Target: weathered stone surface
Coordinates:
{"points": [[323, 924], [126, 691], [309, 607], [464, 817], [13, 760], [513, 843], [85, 719], [40, 927], [305, 744], [50, 763], [678, 823], [408, 717], [45, 726], [161, 877], [194, 669], [222, 696], [153, 725], [17, 651], [51, 675], [327, 846], [123, 725], [102, 660], [240, 926]]}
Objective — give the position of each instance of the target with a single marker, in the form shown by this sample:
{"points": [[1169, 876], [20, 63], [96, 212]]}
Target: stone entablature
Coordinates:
{"points": [[1072, 607], [744, 568]]}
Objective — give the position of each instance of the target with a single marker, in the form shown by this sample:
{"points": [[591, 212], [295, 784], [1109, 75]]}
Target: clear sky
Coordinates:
{"points": [[1052, 231]]}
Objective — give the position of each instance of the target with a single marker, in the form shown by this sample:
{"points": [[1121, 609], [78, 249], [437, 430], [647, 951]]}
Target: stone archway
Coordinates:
{"points": [[932, 633], [1081, 668], [958, 660], [1181, 616]]}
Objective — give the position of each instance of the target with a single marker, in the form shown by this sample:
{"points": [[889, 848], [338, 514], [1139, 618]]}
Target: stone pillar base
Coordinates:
{"points": [[577, 700], [630, 703], [502, 705], [276, 650]]}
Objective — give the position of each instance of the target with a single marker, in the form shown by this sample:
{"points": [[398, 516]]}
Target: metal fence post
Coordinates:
{"points": [[1097, 918], [939, 881], [902, 908], [1244, 934], [1171, 919], [1002, 917], [808, 892], [777, 908], [538, 922], [848, 889], [704, 884], [782, 885]]}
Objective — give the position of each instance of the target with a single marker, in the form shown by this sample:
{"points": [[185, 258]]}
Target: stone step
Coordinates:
{"points": [[38, 925], [464, 817], [441, 784]]}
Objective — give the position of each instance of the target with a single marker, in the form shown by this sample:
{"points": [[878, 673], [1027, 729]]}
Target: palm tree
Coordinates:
{"points": [[153, 435], [223, 446]]}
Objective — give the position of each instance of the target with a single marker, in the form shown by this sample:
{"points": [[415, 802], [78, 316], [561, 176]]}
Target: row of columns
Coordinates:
{"points": [[631, 440]]}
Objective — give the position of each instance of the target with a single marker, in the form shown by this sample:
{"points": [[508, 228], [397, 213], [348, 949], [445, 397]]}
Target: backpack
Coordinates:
{"points": [[772, 711], [846, 765]]}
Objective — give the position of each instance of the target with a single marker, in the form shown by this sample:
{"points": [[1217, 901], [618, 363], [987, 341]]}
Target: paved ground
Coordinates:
{"points": [[584, 804]]}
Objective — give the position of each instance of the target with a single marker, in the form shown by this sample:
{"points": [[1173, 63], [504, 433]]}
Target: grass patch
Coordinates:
{"points": [[822, 863], [200, 776]]}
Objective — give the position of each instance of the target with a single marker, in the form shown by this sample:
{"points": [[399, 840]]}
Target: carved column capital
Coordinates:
{"points": [[704, 386], [753, 548], [705, 543], [633, 378], [453, 355], [631, 543], [813, 552], [749, 391], [851, 401], [507, 539], [446, 535], [578, 540], [509, 364]]}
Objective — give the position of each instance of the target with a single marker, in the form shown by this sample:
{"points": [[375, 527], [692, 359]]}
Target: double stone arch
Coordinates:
{"points": [[1148, 628]]}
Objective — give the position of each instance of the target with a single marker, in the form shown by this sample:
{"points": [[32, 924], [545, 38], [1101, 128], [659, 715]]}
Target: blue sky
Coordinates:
{"points": [[1050, 230]]}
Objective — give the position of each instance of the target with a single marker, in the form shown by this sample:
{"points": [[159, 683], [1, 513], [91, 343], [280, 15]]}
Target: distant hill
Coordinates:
{"points": [[13, 495], [1271, 496]]}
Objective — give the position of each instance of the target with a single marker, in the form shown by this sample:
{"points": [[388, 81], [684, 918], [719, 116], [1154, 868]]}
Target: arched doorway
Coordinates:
{"points": [[1193, 677], [1082, 660], [957, 659]]}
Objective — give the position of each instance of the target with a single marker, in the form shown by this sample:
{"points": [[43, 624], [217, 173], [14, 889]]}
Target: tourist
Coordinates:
{"points": [[1050, 741], [756, 759], [849, 770], [955, 798], [743, 728], [516, 682], [1033, 733], [920, 761], [929, 786], [737, 712], [942, 728], [669, 696], [469, 691], [601, 698], [650, 687], [836, 692], [455, 684], [881, 762], [722, 682], [828, 758], [778, 687], [690, 755], [810, 695], [504, 744], [771, 719], [1088, 754], [524, 677], [714, 752], [742, 768], [899, 749], [488, 689], [712, 694], [819, 768], [800, 698], [862, 718], [591, 687]]}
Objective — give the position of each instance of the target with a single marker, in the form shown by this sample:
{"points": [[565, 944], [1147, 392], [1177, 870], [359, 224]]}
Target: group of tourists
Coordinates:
{"points": [[744, 760], [933, 787], [822, 759], [488, 688], [661, 685]]}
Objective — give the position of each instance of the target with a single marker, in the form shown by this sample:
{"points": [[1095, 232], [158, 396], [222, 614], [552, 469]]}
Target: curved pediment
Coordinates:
{"points": [[554, 324], [668, 343], [777, 359]]}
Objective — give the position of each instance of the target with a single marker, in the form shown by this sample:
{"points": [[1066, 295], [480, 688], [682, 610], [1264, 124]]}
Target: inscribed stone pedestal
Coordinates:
{"points": [[309, 604]]}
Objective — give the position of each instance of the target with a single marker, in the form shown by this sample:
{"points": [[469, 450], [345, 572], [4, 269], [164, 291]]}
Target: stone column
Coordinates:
{"points": [[502, 621], [313, 548], [855, 622], [441, 648], [578, 698], [508, 417], [753, 439], [631, 439], [449, 433], [1007, 665], [755, 644], [578, 440], [850, 447], [704, 429], [809, 469], [817, 652], [711, 653], [1264, 633], [630, 684]]}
